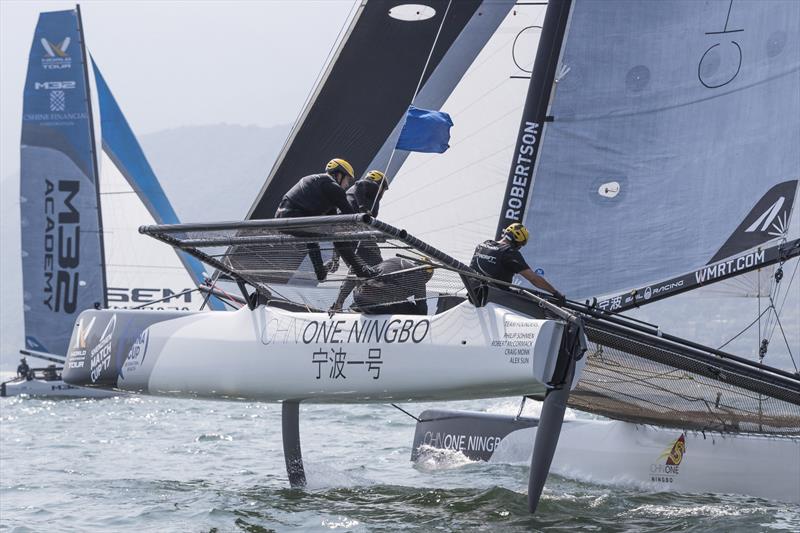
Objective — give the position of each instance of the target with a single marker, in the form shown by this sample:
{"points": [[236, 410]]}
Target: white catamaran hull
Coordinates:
{"points": [[270, 354], [667, 459], [620, 453], [51, 388]]}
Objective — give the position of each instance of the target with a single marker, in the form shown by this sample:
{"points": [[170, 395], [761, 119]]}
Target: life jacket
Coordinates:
{"points": [[498, 260], [314, 195]]}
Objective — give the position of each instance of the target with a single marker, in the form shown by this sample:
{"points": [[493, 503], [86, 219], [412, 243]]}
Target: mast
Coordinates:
{"points": [[520, 182], [93, 148], [534, 115]]}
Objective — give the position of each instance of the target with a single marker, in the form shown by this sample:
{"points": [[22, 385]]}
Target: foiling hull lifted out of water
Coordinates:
{"points": [[278, 350], [487, 345], [270, 354]]}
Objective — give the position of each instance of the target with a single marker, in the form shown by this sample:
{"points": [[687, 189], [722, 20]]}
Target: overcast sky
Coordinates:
{"points": [[172, 64]]}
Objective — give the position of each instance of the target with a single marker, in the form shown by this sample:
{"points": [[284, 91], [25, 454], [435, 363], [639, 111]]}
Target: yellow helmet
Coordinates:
{"points": [[426, 262], [517, 233], [339, 165], [377, 176]]}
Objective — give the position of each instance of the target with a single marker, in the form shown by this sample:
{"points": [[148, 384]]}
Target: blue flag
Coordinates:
{"points": [[425, 131]]}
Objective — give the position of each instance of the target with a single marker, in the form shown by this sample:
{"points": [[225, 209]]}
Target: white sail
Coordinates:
{"points": [[138, 270], [451, 200]]}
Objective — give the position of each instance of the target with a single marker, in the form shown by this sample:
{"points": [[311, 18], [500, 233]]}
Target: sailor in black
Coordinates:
{"points": [[365, 194], [398, 289], [501, 259], [23, 370], [317, 194], [323, 194], [364, 197]]}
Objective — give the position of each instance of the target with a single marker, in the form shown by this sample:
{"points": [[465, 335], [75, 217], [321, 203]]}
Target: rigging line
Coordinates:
{"points": [[750, 325], [783, 333], [786, 294], [430, 54], [228, 296], [788, 348], [758, 292], [213, 286], [404, 411], [413, 98]]}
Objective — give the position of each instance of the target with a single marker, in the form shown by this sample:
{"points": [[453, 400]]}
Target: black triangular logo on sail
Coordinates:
{"points": [[768, 220]]}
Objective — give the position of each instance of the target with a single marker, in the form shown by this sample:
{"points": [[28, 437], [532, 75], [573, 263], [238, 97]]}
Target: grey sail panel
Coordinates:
{"points": [[62, 252], [664, 139]]}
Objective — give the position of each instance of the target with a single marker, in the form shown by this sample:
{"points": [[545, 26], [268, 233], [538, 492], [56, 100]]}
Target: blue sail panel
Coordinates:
{"points": [[62, 249]]}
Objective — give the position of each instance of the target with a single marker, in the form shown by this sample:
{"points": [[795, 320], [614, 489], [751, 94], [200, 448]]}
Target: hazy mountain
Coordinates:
{"points": [[213, 172], [208, 173]]}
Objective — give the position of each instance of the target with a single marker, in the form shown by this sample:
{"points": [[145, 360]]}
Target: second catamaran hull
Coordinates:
{"points": [[269, 354], [620, 453], [50, 389]]}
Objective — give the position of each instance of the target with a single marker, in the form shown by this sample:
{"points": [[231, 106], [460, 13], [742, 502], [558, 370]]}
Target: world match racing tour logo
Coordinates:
{"points": [[56, 56], [668, 471]]}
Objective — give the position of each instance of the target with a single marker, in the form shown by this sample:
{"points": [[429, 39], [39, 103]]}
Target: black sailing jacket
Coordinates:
{"points": [[317, 194], [498, 260]]}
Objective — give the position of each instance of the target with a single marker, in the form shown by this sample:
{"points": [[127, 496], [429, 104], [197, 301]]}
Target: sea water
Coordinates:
{"points": [[160, 464]]}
